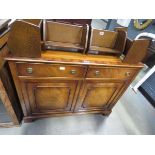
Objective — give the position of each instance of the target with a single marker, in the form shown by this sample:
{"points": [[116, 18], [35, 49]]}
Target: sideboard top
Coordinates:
{"points": [[75, 58]]}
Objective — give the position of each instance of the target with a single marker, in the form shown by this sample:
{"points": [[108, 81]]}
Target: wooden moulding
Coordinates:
{"points": [[66, 37], [107, 42], [25, 38], [136, 50]]}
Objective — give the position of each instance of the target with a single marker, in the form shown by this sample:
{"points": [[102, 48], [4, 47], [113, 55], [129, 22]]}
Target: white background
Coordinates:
{"points": [[77, 145]]}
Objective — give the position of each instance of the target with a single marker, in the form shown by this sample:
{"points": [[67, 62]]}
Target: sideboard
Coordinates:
{"points": [[62, 69], [61, 83]]}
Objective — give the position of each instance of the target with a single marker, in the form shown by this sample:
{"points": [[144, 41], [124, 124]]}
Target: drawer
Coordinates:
{"points": [[50, 70], [110, 72]]}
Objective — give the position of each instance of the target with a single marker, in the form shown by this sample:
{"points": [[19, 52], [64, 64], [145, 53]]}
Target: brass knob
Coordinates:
{"points": [[73, 71], [97, 73], [29, 70], [127, 74]]}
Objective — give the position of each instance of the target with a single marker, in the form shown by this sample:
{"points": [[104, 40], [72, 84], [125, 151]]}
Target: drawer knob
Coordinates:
{"points": [[73, 72], [97, 73], [127, 74], [29, 70]]}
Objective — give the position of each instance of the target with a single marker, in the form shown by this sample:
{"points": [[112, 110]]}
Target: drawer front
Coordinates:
{"points": [[50, 70], [110, 72]]}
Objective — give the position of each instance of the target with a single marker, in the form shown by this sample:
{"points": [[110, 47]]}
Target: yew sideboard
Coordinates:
{"points": [[63, 83]]}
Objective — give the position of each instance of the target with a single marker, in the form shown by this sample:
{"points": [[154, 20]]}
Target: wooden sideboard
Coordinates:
{"points": [[64, 69], [63, 83], [10, 109]]}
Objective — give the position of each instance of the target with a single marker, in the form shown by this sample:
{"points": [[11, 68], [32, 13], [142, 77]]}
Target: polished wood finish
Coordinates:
{"points": [[97, 95], [136, 51], [110, 72], [48, 90], [52, 97], [103, 38], [60, 82], [57, 32], [121, 40], [65, 36], [25, 39], [102, 50], [104, 41], [60, 57], [48, 70], [127, 46], [3, 53]]}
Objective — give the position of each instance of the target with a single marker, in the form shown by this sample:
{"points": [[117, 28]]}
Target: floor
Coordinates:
{"points": [[4, 117], [132, 115], [98, 24]]}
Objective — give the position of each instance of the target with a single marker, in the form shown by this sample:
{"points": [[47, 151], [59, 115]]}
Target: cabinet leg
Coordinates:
{"points": [[28, 120], [106, 113]]}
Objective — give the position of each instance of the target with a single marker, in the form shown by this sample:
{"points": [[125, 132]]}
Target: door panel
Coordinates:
{"points": [[43, 98], [97, 95], [51, 97]]}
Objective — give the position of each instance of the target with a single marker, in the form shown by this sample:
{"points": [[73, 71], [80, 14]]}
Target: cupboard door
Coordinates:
{"points": [[97, 95], [51, 97]]}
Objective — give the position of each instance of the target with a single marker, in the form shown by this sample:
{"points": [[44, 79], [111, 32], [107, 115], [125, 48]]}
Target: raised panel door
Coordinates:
{"points": [[51, 97], [97, 95]]}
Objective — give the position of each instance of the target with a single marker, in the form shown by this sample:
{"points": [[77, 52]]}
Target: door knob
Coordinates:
{"points": [[29, 70], [73, 71], [127, 74], [97, 73]]}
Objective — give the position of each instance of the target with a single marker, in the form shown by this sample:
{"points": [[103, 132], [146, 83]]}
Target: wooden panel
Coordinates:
{"points": [[42, 96], [61, 57], [65, 36], [45, 95], [97, 95], [63, 46], [127, 46], [3, 52], [121, 40], [65, 33], [110, 72], [137, 51], [50, 70], [24, 39], [85, 37], [53, 96], [102, 50], [103, 38]]}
